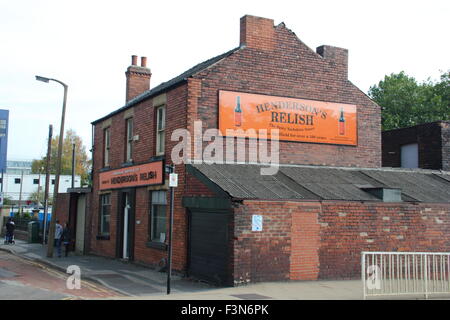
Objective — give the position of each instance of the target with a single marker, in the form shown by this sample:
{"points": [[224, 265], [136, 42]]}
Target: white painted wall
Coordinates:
{"points": [[12, 189]]}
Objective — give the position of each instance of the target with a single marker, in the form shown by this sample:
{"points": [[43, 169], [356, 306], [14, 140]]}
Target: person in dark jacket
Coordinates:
{"points": [[66, 238], [10, 226]]}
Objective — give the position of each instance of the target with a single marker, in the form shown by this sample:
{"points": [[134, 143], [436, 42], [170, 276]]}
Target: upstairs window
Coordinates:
{"points": [[129, 142], [107, 146], [160, 129]]}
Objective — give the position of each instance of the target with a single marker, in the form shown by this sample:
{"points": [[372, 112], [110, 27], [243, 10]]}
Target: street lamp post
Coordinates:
{"points": [[47, 181], [173, 182], [51, 232]]}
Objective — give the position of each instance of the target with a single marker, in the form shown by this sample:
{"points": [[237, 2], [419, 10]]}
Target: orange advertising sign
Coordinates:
{"points": [[296, 119], [136, 176]]}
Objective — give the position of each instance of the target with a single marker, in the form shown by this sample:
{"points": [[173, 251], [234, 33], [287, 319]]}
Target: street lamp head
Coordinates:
{"points": [[43, 79]]}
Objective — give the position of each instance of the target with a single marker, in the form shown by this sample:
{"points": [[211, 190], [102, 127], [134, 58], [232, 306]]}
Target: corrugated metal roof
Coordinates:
{"points": [[244, 181], [421, 186]]}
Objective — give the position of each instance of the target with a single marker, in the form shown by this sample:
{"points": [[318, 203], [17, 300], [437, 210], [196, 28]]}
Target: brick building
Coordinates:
{"points": [[233, 225], [425, 146]]}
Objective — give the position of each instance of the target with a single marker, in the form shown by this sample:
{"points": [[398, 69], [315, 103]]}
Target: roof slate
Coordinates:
{"points": [[169, 84]]}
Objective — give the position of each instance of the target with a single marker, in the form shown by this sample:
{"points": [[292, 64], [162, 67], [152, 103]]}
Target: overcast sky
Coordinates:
{"points": [[88, 45]]}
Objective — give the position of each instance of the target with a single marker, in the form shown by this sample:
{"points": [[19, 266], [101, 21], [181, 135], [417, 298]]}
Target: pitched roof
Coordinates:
{"points": [[244, 181], [169, 84]]}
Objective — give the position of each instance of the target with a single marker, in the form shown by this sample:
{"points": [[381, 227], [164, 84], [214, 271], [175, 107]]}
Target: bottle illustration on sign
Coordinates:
{"points": [[238, 112], [342, 123]]}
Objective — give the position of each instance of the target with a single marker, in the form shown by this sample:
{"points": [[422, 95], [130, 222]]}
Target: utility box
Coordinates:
{"points": [[33, 232]]}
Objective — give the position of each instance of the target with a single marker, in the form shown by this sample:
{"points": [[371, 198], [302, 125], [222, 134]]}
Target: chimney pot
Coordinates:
{"points": [[134, 60], [144, 62], [138, 78]]}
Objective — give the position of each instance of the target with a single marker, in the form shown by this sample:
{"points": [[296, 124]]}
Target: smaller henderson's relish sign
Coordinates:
{"points": [[135, 176], [296, 119]]}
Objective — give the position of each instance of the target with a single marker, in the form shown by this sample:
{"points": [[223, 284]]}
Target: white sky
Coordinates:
{"points": [[88, 45]]}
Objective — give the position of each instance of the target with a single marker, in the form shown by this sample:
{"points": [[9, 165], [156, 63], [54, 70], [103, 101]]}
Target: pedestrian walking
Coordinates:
{"points": [[58, 236], [10, 226], [66, 238]]}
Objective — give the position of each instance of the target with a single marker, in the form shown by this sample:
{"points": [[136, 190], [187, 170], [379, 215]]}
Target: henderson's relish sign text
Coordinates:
{"points": [[296, 119], [135, 176]]}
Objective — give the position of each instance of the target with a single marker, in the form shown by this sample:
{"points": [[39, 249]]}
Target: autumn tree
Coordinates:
{"points": [[82, 163]]}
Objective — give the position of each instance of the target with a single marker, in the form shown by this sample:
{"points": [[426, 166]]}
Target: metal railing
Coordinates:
{"points": [[405, 273]]}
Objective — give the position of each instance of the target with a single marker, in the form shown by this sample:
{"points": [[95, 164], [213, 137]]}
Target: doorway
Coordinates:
{"points": [[80, 224], [125, 225], [208, 252]]}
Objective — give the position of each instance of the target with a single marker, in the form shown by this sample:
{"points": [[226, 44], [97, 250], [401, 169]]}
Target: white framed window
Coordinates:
{"points": [[105, 213], [160, 129], [157, 225], [107, 147], [129, 142]]}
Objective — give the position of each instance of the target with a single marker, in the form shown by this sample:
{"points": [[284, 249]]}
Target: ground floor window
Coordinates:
{"points": [[157, 223], [105, 213]]}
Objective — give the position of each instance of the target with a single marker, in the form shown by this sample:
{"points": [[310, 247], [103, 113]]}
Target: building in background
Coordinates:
{"points": [[18, 166], [18, 175], [425, 146]]}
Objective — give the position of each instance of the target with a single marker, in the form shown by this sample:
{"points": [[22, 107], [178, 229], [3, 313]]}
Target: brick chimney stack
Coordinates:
{"points": [[138, 78], [257, 33], [336, 56]]}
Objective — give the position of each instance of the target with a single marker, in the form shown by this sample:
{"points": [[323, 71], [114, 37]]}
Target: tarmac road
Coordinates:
{"points": [[21, 279]]}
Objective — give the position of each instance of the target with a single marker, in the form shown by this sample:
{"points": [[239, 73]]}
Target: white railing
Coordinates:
{"points": [[405, 273]]}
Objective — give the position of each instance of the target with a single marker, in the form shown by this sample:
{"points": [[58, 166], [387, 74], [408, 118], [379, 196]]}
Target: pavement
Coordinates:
{"points": [[125, 278], [132, 281]]}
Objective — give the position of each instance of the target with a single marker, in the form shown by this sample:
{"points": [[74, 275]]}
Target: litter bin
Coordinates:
{"points": [[33, 232]]}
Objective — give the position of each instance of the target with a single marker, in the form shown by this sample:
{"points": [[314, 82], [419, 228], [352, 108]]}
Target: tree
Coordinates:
{"points": [[37, 197], [404, 102], [7, 200], [82, 163]]}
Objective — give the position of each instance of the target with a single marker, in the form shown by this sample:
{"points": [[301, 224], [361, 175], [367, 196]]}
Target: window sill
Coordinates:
{"points": [[157, 158], [127, 164], [105, 169], [157, 245], [102, 237]]}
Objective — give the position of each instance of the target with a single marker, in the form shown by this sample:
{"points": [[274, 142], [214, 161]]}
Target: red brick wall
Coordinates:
{"points": [[313, 240], [142, 253], [292, 69], [143, 150], [283, 67], [349, 228], [195, 187], [264, 255], [63, 207], [305, 242]]}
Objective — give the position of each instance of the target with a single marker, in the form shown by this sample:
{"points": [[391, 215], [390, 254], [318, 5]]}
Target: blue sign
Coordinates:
{"points": [[4, 123]]}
